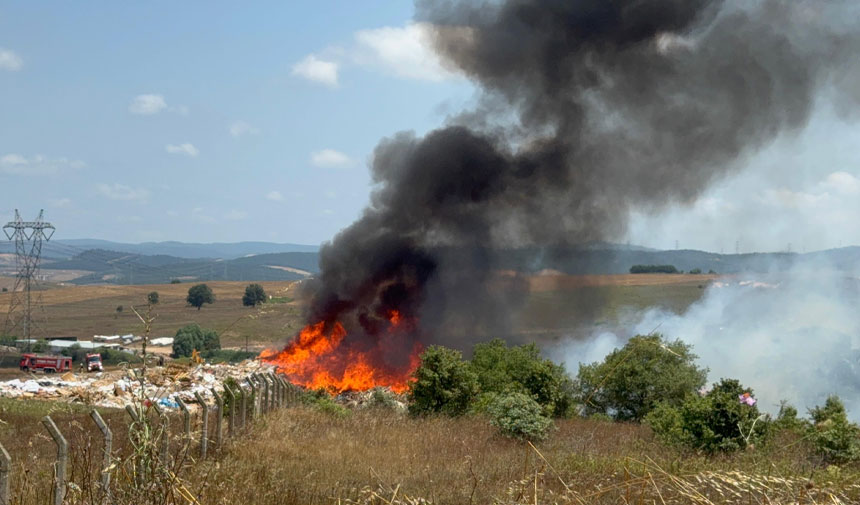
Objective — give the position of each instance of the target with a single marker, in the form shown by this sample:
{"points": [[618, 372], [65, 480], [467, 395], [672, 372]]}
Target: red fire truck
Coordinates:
{"points": [[94, 363], [48, 364]]}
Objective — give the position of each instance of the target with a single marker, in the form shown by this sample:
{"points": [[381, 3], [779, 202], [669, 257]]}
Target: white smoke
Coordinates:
{"points": [[792, 336]]}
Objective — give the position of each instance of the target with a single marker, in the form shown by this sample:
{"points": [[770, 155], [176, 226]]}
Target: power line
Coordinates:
{"points": [[28, 236]]}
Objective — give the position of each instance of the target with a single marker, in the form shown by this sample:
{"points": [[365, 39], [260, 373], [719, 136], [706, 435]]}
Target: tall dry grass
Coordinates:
{"points": [[303, 456]]}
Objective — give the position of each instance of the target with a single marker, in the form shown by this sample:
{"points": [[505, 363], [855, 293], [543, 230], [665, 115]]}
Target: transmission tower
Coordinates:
{"points": [[28, 237]]}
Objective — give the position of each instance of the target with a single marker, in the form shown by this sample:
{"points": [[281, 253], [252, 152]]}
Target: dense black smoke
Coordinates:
{"points": [[589, 108]]}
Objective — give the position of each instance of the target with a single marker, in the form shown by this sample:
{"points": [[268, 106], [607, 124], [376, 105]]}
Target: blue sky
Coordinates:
{"points": [[202, 121], [215, 121]]}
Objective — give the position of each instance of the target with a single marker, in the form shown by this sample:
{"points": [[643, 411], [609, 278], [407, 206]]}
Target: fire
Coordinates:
{"points": [[321, 356]]}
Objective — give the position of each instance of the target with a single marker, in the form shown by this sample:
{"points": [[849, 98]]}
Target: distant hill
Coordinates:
{"points": [[122, 267]]}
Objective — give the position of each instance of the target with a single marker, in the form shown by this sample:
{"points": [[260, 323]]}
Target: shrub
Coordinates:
{"points": [[111, 357], [835, 438], [716, 421], [633, 380], [382, 398], [443, 383], [517, 415], [152, 298], [786, 418], [227, 356], [503, 369], [192, 337]]}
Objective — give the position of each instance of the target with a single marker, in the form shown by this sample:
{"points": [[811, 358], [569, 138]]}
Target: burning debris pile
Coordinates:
{"points": [[588, 110], [120, 388]]}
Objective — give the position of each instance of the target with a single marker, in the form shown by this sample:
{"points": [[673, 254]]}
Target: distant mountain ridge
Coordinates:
{"points": [[121, 267], [68, 248]]}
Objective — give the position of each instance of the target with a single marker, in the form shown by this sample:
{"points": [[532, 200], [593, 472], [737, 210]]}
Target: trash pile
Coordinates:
{"points": [[121, 387]]}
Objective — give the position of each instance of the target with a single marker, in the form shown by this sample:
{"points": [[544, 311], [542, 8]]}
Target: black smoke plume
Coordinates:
{"points": [[588, 109]]}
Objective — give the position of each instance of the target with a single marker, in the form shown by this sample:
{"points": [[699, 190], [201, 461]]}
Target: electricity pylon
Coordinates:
{"points": [[28, 236]]}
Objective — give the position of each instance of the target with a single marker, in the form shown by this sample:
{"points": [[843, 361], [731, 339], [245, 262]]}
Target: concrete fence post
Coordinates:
{"points": [[186, 416], [62, 460], [254, 396], [165, 434], [266, 390], [275, 391], [204, 430], [106, 459], [286, 389], [244, 405], [5, 469], [132, 413], [231, 423], [219, 414], [276, 387]]}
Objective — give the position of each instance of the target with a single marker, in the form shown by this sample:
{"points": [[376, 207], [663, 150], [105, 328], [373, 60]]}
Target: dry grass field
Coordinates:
{"points": [[556, 306], [84, 311]]}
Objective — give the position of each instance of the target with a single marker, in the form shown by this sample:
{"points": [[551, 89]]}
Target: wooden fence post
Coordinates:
{"points": [[5, 469], [106, 459], [62, 460], [219, 411], [204, 435]]}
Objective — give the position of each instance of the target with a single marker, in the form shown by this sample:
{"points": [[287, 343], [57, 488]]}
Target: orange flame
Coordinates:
{"points": [[317, 359]]}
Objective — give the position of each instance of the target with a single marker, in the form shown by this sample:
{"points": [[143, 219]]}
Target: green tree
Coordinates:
{"points": [[200, 294], [118, 311], [254, 295], [192, 337], [835, 438], [716, 421], [152, 298], [502, 369], [443, 383], [631, 381]]}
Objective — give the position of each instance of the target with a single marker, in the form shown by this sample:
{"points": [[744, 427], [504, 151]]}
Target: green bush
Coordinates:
{"points": [[200, 294], [382, 398], [517, 415], [653, 269], [112, 357], [520, 369], [716, 421], [633, 380], [835, 438], [192, 337], [786, 419], [443, 383]]}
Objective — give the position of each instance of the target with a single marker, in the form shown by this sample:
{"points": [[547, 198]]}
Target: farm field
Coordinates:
{"points": [[555, 306]]}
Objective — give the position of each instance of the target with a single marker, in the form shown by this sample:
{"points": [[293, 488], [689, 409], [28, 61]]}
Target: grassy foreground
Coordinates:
{"points": [[304, 456]]}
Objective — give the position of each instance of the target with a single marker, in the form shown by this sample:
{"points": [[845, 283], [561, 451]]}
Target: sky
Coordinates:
{"points": [[223, 122]]}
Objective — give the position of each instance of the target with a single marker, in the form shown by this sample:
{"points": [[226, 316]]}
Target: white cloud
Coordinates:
{"points": [[61, 202], [122, 192], [239, 128], [405, 52], [9, 60], [275, 196], [198, 214], [842, 182], [186, 149], [315, 69], [330, 158], [236, 215], [147, 105], [16, 164]]}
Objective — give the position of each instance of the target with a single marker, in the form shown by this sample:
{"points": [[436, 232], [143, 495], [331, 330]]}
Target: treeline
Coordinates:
{"points": [[653, 269]]}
